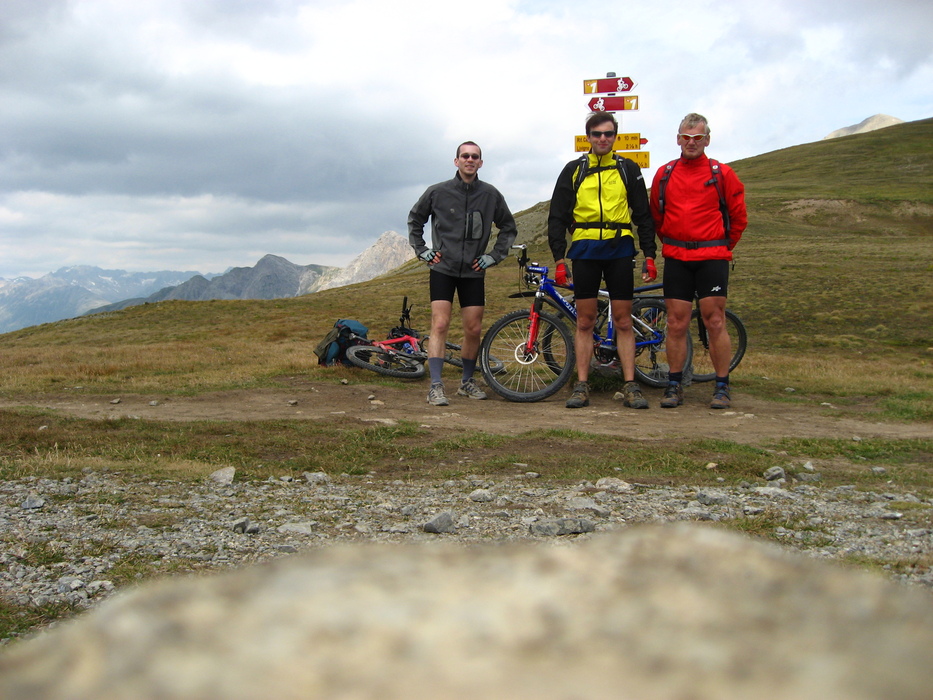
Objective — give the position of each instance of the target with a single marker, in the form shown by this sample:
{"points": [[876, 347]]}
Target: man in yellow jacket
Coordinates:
{"points": [[599, 200]]}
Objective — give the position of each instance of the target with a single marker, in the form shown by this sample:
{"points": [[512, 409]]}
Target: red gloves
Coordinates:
{"points": [[560, 274], [649, 268]]}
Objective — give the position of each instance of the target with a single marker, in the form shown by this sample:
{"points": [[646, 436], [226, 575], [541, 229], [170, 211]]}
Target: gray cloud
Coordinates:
{"points": [[217, 131]]}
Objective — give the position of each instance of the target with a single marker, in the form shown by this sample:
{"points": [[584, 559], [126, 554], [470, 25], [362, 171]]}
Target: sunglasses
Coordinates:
{"points": [[696, 138], [469, 156], [601, 134]]}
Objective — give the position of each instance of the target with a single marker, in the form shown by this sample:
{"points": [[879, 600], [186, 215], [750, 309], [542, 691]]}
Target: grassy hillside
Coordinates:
{"points": [[833, 279]]}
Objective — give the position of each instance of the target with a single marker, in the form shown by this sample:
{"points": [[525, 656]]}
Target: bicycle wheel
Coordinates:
{"points": [[391, 364], [703, 370], [528, 374], [649, 319], [452, 355]]}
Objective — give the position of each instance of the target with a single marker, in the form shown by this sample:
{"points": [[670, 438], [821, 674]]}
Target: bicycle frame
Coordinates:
{"points": [[547, 292]]}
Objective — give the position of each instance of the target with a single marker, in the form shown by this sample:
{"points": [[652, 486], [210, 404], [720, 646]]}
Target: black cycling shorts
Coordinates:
{"points": [[684, 279], [589, 274], [471, 291]]}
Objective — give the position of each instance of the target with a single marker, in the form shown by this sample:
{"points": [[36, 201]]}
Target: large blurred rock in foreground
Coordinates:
{"points": [[656, 612]]}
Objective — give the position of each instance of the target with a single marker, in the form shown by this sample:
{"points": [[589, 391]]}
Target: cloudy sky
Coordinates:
{"points": [[203, 134]]}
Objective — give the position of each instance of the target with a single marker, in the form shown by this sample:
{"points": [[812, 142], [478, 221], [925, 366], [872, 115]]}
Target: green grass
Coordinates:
{"points": [[260, 449]]}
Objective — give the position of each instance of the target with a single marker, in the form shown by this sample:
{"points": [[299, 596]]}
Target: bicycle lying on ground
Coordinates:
{"points": [[404, 353], [537, 347], [701, 369]]}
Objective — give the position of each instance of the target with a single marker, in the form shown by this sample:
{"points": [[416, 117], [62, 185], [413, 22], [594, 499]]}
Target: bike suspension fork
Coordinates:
{"points": [[534, 323]]}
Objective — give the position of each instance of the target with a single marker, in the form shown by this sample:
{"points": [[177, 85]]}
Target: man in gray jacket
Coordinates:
{"points": [[462, 211]]}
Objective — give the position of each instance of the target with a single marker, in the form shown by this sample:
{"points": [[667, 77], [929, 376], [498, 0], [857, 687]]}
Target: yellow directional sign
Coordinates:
{"points": [[640, 157], [624, 142]]}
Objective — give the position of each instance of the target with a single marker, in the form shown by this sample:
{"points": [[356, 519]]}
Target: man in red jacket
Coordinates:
{"points": [[698, 207]]}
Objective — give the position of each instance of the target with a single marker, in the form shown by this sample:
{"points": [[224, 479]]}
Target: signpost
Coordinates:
{"points": [[613, 104], [628, 145], [623, 142], [641, 157], [594, 87]]}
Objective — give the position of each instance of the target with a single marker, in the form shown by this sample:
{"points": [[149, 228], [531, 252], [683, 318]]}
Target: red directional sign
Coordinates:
{"points": [[613, 104], [592, 87]]}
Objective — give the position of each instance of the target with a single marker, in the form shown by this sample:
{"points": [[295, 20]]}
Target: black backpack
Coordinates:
{"points": [[333, 348]]}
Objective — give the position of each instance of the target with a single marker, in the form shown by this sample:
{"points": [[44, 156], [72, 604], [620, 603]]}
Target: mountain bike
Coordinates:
{"points": [[404, 353], [398, 356], [701, 368], [537, 346]]}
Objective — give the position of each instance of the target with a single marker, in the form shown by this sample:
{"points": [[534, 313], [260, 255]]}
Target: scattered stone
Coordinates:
{"points": [[440, 524], [293, 402], [482, 496], [709, 498], [611, 483], [33, 502], [305, 528], [582, 503], [879, 470], [223, 476], [344, 381], [316, 478], [774, 473], [562, 526], [153, 403], [115, 401]]}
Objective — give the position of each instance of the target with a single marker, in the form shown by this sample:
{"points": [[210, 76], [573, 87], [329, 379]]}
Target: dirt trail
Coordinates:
{"points": [[750, 421]]}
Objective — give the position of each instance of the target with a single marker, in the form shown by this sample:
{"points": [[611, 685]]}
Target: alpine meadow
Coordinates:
{"points": [[833, 279]]}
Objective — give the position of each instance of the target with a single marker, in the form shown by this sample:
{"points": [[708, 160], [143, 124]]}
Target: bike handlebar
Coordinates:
{"points": [[533, 268]]}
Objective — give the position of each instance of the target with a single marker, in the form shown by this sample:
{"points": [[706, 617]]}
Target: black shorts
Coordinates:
{"points": [[471, 291], [589, 274], [701, 278]]}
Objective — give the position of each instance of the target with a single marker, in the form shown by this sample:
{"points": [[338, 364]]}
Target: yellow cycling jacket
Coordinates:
{"points": [[604, 204]]}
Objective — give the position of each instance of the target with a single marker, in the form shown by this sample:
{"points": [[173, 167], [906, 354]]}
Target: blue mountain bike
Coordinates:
{"points": [[536, 347]]}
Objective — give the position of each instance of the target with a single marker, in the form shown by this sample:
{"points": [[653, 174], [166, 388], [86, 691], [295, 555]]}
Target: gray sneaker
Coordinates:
{"points": [[436, 395], [632, 396], [580, 396], [471, 388]]}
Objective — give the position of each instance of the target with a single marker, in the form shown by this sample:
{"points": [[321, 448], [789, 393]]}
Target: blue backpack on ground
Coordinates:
{"points": [[333, 348]]}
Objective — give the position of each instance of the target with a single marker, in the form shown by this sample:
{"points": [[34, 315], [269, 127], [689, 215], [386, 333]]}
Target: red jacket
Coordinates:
{"points": [[691, 210]]}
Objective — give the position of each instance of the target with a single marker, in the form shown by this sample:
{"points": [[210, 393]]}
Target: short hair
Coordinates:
{"points": [[470, 143], [693, 120], [598, 118]]}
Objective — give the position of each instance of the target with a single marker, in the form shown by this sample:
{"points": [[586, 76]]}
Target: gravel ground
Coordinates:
{"points": [[79, 540]]}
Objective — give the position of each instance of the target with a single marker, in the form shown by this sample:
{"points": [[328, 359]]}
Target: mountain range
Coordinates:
{"points": [[77, 291]]}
